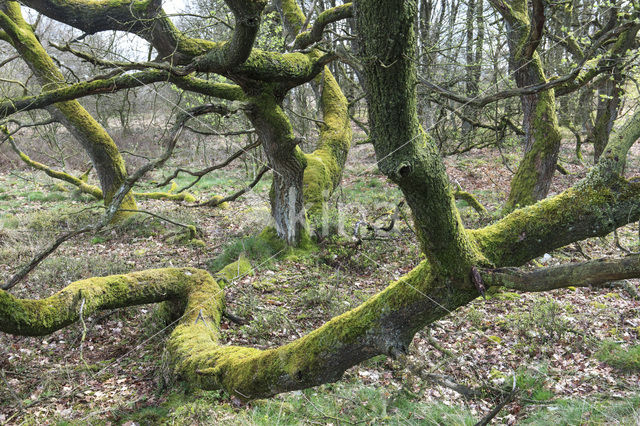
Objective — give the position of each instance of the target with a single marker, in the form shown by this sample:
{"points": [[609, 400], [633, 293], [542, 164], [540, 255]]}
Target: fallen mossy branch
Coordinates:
{"points": [[170, 142], [81, 184], [167, 195], [78, 182]]}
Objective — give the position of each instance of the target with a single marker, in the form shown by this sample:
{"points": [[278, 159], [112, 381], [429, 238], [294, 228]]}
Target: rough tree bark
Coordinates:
{"points": [[301, 178]]}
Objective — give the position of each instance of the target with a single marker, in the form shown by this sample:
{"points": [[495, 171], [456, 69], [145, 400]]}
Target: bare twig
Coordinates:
{"points": [[10, 389], [192, 230], [201, 173], [216, 201], [486, 419]]}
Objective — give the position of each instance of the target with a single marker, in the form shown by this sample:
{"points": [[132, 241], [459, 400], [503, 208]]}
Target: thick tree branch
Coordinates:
{"points": [[594, 207], [620, 142], [307, 38], [126, 81], [235, 58], [325, 164], [147, 19], [537, 26], [582, 274], [27, 103], [385, 324]]}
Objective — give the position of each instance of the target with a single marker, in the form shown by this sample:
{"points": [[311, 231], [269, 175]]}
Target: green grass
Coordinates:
{"points": [[340, 403], [57, 271], [532, 384], [367, 190], [587, 412], [216, 181], [48, 197], [62, 218], [254, 248], [625, 359]]}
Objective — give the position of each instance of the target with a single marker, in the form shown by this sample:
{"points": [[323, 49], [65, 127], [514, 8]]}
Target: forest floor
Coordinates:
{"points": [[574, 354]]}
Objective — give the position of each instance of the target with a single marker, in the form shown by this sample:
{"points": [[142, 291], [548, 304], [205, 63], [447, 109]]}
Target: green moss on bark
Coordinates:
{"points": [[533, 176], [595, 207], [324, 166], [41, 317]]}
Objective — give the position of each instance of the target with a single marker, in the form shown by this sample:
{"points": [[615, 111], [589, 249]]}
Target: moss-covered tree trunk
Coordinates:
{"points": [[607, 111], [300, 179], [540, 123], [95, 140], [325, 164], [287, 162], [404, 152]]}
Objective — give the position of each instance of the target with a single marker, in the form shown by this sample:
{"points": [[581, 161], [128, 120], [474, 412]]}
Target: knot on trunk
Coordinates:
{"points": [[403, 170]]}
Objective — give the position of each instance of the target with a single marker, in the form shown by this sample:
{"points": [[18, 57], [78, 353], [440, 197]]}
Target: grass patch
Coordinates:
{"points": [[625, 359], [141, 225], [254, 248], [49, 197], [587, 412], [533, 383], [58, 271], [340, 403], [54, 220]]}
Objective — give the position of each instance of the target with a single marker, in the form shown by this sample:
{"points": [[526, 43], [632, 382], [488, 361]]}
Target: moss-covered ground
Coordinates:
{"points": [[572, 351]]}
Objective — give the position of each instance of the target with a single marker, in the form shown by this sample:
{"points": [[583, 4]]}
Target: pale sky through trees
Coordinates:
{"points": [[173, 6]]}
